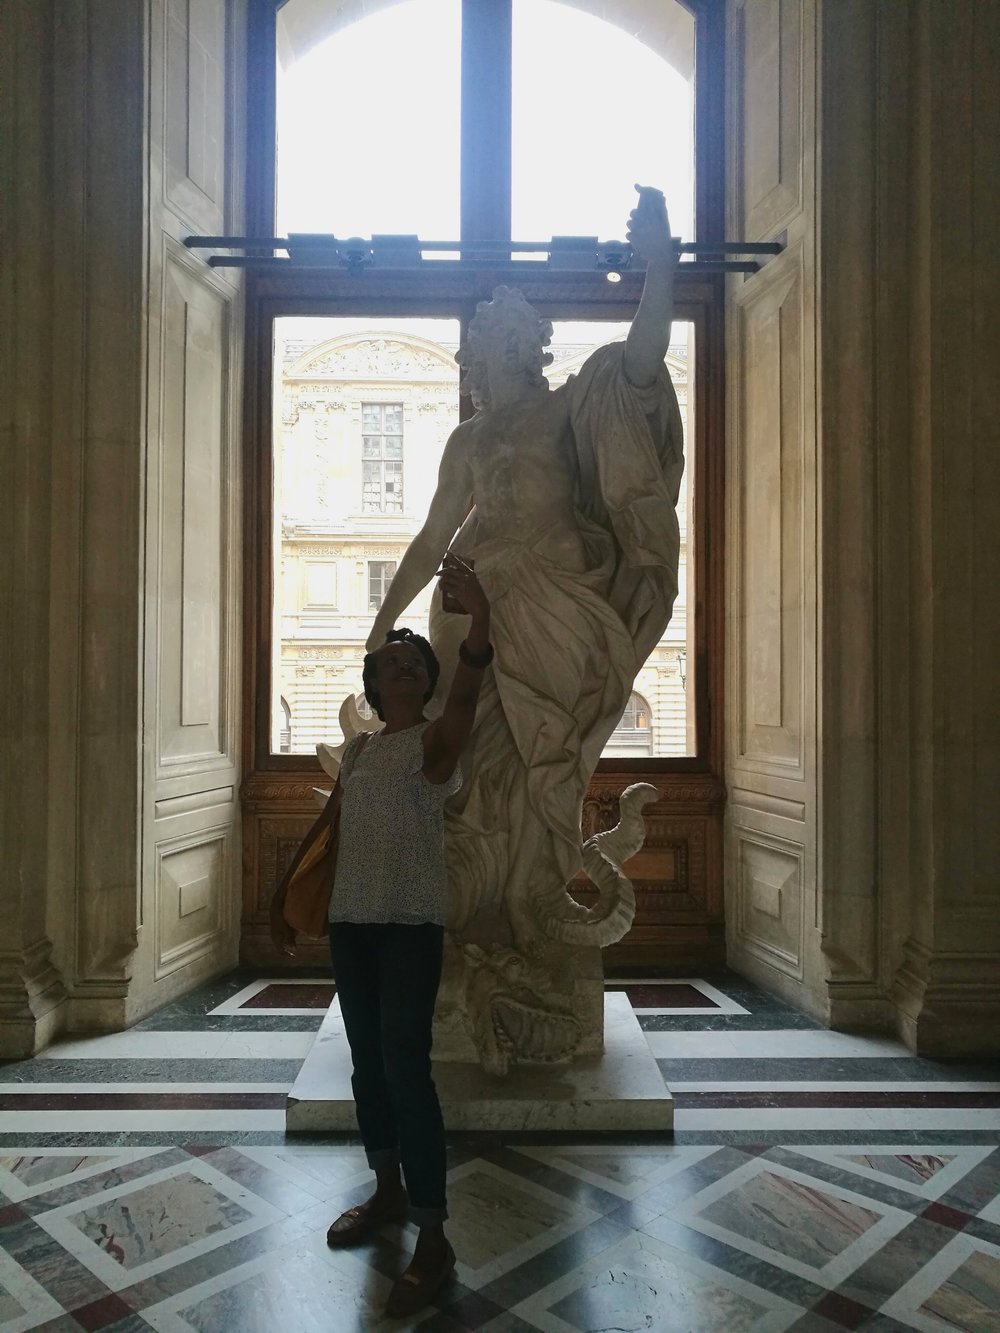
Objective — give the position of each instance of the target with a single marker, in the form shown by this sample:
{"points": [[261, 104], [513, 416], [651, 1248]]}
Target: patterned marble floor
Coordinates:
{"points": [[815, 1181]]}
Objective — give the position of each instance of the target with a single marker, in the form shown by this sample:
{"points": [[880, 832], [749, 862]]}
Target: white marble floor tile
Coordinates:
{"points": [[859, 1119], [937, 1167], [499, 1220], [787, 1044], [24, 1303], [303, 1287], [133, 1231], [140, 1122], [129, 1088], [958, 1289], [29, 1171], [643, 1283], [323, 1172], [991, 1213], [268, 1045], [146, 1045], [818, 1231], [627, 1172], [828, 1085], [692, 1045]]}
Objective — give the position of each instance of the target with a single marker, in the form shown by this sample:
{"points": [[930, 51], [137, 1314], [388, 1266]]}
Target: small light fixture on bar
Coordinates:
{"points": [[613, 257]]}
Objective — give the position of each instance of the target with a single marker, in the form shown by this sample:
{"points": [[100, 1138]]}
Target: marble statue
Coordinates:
{"points": [[564, 499]]}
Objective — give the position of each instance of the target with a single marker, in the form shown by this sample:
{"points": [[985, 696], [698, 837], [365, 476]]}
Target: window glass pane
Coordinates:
{"points": [[368, 118], [596, 109], [659, 719], [348, 498]]}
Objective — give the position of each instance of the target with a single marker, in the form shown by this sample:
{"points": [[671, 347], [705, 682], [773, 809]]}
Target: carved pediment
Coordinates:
{"points": [[368, 358]]}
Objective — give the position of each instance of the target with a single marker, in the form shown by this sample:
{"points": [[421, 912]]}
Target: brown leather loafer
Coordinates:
{"points": [[358, 1223], [412, 1292]]}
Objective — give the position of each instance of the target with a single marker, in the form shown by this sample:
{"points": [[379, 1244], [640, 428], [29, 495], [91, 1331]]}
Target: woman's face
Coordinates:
{"points": [[400, 670]]}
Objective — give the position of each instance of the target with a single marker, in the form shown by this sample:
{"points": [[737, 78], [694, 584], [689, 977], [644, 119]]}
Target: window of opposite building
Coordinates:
{"points": [[380, 574], [382, 458]]}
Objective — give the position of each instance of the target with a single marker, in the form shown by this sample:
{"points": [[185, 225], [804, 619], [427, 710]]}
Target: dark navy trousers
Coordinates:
{"points": [[387, 980]]}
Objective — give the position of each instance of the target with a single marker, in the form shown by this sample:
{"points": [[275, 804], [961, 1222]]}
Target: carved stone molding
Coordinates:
{"points": [[31, 997], [277, 843], [295, 792], [708, 793]]}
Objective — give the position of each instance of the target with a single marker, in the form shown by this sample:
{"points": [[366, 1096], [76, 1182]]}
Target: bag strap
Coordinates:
{"points": [[357, 752]]}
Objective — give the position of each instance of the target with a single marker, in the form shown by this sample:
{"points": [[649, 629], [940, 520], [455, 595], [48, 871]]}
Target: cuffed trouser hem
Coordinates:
{"points": [[381, 1159], [426, 1217]]}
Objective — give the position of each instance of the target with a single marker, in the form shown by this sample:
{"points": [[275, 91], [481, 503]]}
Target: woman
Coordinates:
{"points": [[386, 927]]}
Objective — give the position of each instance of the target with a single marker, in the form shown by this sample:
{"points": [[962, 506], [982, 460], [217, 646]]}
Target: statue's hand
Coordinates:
{"points": [[648, 230], [458, 581]]}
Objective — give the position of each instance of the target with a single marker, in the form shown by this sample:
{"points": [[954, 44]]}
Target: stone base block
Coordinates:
{"points": [[622, 1090]]}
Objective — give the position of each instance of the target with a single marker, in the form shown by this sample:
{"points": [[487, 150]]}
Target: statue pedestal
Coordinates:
{"points": [[620, 1090]]}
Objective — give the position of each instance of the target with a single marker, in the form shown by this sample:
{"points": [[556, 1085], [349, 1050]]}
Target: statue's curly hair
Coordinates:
{"points": [[369, 670], [509, 309]]}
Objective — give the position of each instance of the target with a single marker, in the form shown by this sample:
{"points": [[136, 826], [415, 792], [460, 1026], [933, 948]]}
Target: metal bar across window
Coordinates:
{"points": [[514, 247]]}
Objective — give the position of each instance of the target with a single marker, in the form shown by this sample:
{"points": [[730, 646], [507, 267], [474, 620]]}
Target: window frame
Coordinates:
{"points": [[382, 458], [453, 292], [385, 586]]}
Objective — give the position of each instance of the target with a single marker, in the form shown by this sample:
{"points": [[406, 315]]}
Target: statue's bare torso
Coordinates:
{"points": [[522, 468]]}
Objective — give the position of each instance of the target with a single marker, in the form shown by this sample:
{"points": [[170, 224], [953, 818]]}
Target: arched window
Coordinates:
{"points": [[347, 86], [521, 121], [634, 733], [364, 708], [285, 736]]}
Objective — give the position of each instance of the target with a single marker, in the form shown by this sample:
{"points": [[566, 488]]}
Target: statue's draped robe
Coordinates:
{"points": [[568, 648]]}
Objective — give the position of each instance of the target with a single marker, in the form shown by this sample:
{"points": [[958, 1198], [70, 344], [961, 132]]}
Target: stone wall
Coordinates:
{"points": [[889, 915], [105, 627]]}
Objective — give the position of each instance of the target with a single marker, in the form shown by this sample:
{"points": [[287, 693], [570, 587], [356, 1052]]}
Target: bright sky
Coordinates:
{"points": [[368, 127]]}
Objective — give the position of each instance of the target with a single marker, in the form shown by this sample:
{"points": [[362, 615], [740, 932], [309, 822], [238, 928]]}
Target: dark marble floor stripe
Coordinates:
{"points": [[285, 995], [761, 1021], [860, 1136], [142, 1101], [224, 1138], [246, 1022], [664, 995], [131, 1070], [954, 1101]]}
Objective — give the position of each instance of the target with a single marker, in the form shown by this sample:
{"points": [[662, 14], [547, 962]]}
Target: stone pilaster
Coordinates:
{"points": [[947, 983], [849, 145], [31, 991]]}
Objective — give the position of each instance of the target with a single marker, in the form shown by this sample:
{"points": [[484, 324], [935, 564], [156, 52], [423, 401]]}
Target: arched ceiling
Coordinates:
{"points": [[665, 26]]}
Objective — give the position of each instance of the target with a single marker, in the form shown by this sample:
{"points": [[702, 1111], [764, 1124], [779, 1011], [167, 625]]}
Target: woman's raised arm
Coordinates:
{"points": [[446, 738]]}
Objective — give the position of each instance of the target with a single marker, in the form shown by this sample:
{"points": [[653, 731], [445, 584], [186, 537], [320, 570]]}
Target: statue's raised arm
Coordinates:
{"points": [[649, 336], [422, 560]]}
